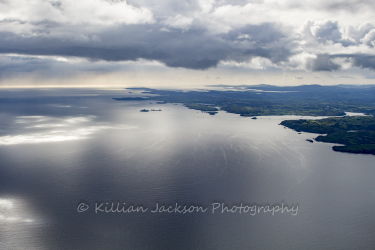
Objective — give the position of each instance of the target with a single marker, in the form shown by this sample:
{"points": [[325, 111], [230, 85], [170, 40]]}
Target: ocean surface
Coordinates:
{"points": [[79, 170]]}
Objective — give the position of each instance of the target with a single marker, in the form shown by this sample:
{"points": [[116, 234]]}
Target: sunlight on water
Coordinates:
{"points": [[19, 225], [14, 211], [69, 128]]}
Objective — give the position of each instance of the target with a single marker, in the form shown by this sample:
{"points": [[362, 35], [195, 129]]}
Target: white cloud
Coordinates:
{"points": [[206, 5], [227, 17], [369, 39], [19, 28], [359, 31], [179, 22], [94, 12]]}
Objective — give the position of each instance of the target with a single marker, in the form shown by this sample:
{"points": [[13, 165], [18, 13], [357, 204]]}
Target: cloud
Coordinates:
{"points": [[359, 32], [325, 62], [327, 32], [192, 34], [322, 62], [92, 12], [179, 22], [185, 34], [369, 38], [363, 61], [347, 5], [333, 5], [193, 48]]}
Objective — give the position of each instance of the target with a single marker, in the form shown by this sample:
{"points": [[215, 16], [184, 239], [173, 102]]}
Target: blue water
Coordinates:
{"points": [[61, 150]]}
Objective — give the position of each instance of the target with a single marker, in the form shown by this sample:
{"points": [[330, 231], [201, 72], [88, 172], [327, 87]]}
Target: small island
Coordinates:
{"points": [[356, 133]]}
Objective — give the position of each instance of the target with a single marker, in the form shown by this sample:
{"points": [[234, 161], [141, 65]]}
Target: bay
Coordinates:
{"points": [[73, 160]]}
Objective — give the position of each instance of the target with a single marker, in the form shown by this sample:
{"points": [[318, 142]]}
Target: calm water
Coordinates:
{"points": [[63, 150]]}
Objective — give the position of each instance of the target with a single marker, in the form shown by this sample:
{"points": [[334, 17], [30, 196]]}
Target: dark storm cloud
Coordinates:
{"points": [[322, 62], [194, 49], [361, 60], [325, 62]]}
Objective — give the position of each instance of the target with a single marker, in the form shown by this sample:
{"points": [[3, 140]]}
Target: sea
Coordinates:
{"points": [[79, 170]]}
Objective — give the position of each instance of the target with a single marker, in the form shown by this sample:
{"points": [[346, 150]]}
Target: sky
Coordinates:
{"points": [[187, 42]]}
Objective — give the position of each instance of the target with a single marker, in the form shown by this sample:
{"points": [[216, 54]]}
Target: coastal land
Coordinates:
{"points": [[261, 100], [357, 134]]}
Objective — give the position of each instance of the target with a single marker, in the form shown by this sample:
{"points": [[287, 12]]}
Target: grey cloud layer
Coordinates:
{"points": [[195, 34], [195, 48], [330, 43], [325, 62]]}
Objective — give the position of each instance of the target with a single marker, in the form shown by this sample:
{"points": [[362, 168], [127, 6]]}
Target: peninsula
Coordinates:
{"points": [[356, 133]]}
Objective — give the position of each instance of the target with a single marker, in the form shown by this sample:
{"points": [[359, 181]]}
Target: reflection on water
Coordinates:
{"points": [[19, 224], [56, 156], [11, 212], [39, 129]]}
